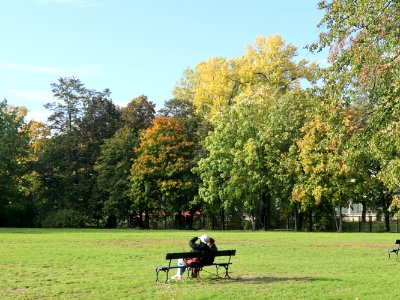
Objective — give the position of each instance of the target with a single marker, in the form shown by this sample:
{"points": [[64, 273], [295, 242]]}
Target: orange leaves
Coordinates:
{"points": [[299, 194], [163, 157]]}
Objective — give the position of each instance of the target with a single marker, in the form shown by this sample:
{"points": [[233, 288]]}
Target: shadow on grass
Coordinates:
{"points": [[269, 279]]}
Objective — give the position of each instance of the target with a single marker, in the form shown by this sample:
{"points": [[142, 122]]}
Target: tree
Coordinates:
{"points": [[161, 180], [184, 111], [67, 111], [14, 151], [113, 168], [100, 120], [83, 120], [38, 133], [216, 83], [363, 37], [321, 154], [247, 166], [138, 114], [286, 116], [233, 174], [184, 89]]}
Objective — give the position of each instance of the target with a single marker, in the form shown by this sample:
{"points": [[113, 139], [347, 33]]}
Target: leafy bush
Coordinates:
{"points": [[64, 218]]}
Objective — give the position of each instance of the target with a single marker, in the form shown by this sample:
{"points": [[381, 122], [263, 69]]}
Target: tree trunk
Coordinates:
{"points": [[146, 219], [310, 221], [340, 227], [140, 219], [386, 212], [364, 212], [298, 219], [387, 221], [213, 221], [222, 216], [266, 214], [253, 222]]}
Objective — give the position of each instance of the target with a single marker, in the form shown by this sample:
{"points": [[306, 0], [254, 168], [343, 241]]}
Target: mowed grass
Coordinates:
{"points": [[118, 264]]}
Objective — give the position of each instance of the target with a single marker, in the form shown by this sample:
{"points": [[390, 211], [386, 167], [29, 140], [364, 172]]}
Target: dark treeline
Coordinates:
{"points": [[242, 145]]}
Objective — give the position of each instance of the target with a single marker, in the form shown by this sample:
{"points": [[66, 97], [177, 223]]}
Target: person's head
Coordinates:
{"points": [[211, 242], [204, 238]]}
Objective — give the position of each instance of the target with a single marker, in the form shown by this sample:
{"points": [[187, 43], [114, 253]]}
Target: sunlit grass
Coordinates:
{"points": [[118, 264]]}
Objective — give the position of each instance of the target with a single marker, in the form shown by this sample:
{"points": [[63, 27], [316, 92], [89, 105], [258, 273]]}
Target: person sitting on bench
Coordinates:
{"points": [[203, 246], [208, 260]]}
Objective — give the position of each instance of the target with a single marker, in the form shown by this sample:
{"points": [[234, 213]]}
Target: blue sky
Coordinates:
{"points": [[133, 47]]}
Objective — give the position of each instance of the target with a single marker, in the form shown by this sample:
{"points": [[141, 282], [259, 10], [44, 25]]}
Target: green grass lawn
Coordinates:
{"points": [[118, 264]]}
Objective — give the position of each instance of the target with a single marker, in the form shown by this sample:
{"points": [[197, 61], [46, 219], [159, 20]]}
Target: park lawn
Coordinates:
{"points": [[118, 264]]}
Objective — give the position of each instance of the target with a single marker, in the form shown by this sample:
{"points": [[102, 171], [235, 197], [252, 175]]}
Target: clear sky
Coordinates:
{"points": [[133, 47]]}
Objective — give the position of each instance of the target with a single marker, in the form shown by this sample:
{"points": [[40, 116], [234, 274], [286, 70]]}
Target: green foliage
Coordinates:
{"points": [[68, 110], [184, 112], [113, 168], [363, 37], [14, 151], [83, 120], [260, 145], [231, 174], [248, 167], [64, 218], [138, 114]]}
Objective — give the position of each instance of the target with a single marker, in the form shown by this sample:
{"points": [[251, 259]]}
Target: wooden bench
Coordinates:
{"points": [[200, 255], [394, 249]]}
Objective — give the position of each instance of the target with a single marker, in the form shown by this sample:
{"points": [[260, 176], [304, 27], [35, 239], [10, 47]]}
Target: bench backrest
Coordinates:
{"points": [[200, 254]]}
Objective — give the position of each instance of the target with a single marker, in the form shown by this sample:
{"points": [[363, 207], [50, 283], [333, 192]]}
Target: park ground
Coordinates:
{"points": [[118, 264]]}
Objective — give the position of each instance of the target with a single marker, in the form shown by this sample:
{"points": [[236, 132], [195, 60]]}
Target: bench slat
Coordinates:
{"points": [[225, 253], [167, 267], [200, 254], [183, 255]]}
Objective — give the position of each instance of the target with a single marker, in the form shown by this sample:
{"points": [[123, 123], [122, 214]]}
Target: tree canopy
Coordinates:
{"points": [[243, 143]]}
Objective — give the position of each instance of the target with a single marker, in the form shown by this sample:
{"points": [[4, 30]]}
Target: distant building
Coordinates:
{"points": [[353, 213]]}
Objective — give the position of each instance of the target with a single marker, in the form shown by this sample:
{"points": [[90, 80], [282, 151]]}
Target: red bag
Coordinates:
{"points": [[193, 262]]}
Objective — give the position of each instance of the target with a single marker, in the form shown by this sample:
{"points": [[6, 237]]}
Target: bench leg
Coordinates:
{"points": [[390, 251], [226, 271], [158, 274], [191, 270]]}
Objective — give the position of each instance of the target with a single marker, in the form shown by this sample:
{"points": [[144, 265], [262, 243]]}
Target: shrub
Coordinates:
{"points": [[64, 218]]}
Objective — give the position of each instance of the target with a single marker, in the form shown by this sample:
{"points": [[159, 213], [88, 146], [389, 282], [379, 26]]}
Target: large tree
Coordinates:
{"points": [[82, 119], [233, 174], [113, 167], [100, 120], [216, 83], [14, 152], [161, 178], [364, 42], [70, 94], [248, 167]]}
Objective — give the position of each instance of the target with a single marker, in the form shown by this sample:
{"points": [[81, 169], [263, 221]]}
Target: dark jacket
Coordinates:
{"points": [[198, 247], [202, 247]]}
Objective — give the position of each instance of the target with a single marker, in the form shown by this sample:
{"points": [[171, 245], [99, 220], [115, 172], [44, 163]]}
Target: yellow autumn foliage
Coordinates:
{"points": [[217, 82]]}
